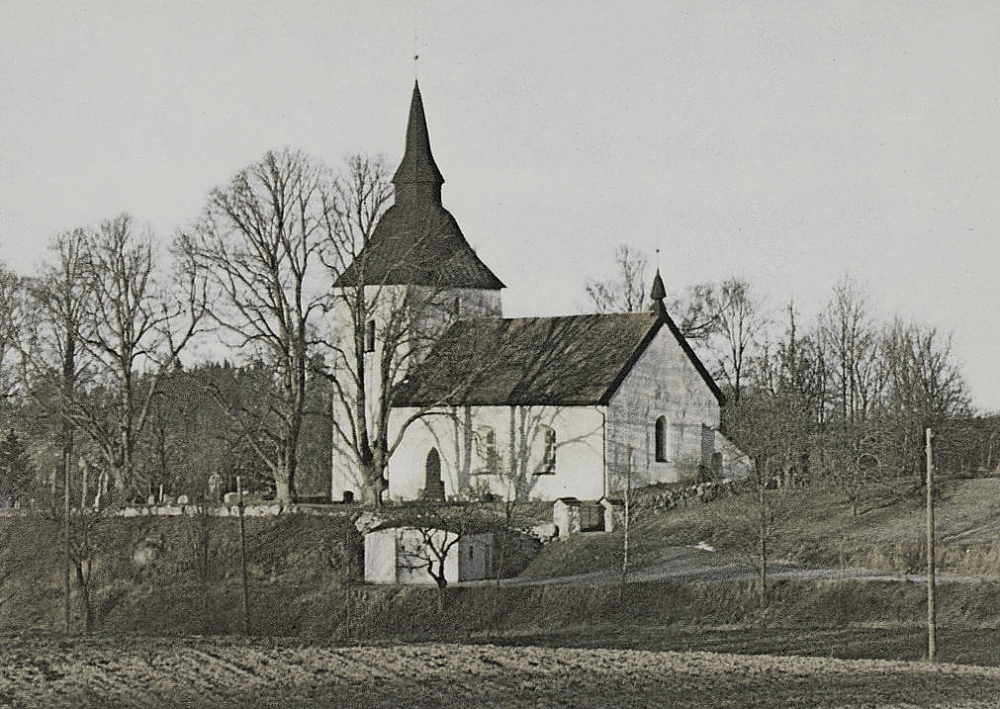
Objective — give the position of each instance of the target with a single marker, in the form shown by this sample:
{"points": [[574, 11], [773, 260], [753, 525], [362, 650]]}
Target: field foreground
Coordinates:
{"points": [[108, 671]]}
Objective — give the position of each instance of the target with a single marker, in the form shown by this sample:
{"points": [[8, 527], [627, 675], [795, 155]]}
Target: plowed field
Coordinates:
{"points": [[200, 672]]}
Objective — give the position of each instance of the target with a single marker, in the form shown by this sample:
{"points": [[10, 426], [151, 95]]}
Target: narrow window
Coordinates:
{"points": [[486, 446], [661, 439], [548, 465], [433, 483], [370, 336]]}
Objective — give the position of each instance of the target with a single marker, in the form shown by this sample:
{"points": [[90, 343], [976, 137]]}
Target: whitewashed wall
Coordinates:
{"points": [[457, 434], [663, 382], [396, 556], [436, 311]]}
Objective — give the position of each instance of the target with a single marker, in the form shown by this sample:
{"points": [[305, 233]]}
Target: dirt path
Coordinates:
{"points": [[699, 563]]}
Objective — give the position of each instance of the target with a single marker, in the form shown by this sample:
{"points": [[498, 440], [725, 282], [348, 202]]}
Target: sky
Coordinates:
{"points": [[790, 143]]}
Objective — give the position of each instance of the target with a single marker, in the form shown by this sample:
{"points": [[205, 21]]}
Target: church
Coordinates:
{"points": [[584, 406]]}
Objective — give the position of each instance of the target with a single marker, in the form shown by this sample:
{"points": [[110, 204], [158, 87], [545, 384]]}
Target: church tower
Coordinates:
{"points": [[414, 278], [417, 242]]}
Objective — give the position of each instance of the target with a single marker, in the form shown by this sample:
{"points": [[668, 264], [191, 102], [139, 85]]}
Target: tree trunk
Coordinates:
{"points": [[374, 485], [84, 585], [762, 547], [283, 490]]}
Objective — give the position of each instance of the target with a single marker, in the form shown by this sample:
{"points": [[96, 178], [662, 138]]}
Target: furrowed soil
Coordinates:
{"points": [[216, 673]]}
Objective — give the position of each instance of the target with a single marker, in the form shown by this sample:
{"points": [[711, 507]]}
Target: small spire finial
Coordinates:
{"points": [[416, 50], [658, 293]]}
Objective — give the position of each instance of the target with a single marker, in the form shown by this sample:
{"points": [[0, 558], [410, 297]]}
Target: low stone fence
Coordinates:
{"points": [[254, 510]]}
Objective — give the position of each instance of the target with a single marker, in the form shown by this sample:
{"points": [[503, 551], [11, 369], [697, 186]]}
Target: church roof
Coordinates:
{"points": [[419, 245], [562, 361], [417, 241]]}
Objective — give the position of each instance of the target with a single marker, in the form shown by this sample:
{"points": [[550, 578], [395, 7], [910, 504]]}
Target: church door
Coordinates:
{"points": [[433, 484]]}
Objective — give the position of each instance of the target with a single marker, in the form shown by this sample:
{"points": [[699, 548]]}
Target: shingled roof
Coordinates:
{"points": [[417, 241], [563, 361]]}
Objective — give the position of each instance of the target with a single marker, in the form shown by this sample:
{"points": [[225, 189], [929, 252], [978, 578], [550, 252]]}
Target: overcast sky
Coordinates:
{"points": [[789, 143]]}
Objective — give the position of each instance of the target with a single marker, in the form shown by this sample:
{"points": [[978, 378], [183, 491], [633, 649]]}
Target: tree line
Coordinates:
{"points": [[843, 397], [130, 368]]}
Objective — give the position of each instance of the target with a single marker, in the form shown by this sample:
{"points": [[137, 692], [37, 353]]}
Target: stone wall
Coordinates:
{"points": [[664, 382]]}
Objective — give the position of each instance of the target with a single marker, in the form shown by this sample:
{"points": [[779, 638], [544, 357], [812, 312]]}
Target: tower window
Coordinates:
{"points": [[370, 336]]}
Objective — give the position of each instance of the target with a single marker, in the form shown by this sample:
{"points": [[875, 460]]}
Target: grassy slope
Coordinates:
{"points": [[811, 525], [303, 574]]}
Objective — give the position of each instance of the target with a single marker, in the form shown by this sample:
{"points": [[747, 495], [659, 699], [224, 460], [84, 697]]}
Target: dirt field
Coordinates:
{"points": [[144, 672]]}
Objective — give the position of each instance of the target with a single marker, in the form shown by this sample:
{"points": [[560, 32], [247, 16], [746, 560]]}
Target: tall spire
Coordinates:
{"points": [[418, 176]]}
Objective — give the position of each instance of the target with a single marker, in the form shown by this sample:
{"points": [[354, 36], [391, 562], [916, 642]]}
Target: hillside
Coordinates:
{"points": [[810, 526], [181, 576]]}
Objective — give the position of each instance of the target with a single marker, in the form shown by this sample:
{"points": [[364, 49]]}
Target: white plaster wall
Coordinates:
{"points": [[436, 311], [456, 433], [380, 556], [663, 382], [444, 307], [396, 556], [412, 554]]}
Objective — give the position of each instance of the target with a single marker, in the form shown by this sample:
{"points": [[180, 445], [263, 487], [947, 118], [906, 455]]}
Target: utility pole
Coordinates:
{"points": [[66, 559], [931, 610], [243, 559]]}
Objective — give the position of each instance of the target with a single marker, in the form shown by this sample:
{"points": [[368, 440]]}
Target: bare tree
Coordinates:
{"points": [[735, 319], [438, 531], [625, 291], [361, 425], [849, 336], [258, 244], [393, 298], [134, 328], [55, 322], [11, 315], [925, 388]]}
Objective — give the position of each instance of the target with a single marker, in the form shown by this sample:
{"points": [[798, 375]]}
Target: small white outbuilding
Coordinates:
{"points": [[400, 555]]}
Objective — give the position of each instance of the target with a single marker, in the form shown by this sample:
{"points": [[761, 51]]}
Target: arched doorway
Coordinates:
{"points": [[433, 484]]}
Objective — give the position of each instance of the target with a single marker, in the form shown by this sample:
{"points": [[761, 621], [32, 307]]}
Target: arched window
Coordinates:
{"points": [[661, 439], [433, 484]]}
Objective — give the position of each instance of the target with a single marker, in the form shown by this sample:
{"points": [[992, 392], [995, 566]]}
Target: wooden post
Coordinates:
{"points": [[243, 559], [628, 521], [66, 559], [931, 610]]}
